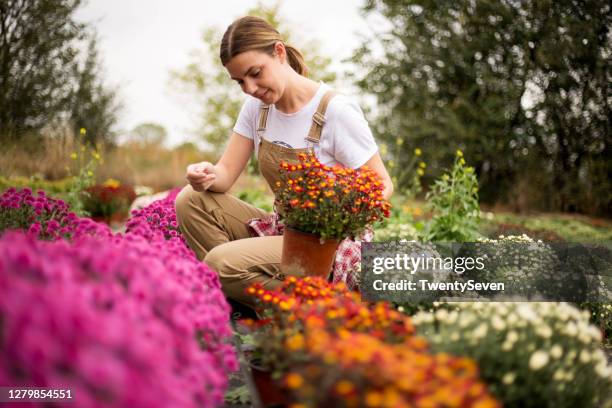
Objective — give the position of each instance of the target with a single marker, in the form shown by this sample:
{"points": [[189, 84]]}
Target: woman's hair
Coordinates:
{"points": [[256, 34]]}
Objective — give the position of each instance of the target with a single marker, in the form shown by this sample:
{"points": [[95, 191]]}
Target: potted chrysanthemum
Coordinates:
{"points": [[322, 205]]}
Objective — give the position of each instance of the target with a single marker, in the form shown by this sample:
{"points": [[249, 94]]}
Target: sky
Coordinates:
{"points": [[141, 41]]}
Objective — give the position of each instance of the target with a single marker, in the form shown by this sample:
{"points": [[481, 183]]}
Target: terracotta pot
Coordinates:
{"points": [[270, 393], [305, 253]]}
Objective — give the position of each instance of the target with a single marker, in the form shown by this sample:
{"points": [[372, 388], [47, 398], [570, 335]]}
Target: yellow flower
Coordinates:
{"points": [[95, 155], [90, 173], [295, 342], [344, 387], [83, 131], [420, 172], [417, 152], [391, 164], [422, 165], [399, 141], [294, 380], [73, 156], [373, 399], [459, 153], [112, 183], [383, 149], [462, 161]]}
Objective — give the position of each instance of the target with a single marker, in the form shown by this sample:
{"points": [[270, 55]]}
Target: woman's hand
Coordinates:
{"points": [[201, 175]]}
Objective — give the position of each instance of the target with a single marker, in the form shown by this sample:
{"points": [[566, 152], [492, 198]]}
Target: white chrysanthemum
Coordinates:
{"points": [[454, 336], [527, 313], [506, 346], [559, 375], [599, 356], [508, 378], [498, 323], [556, 351], [441, 314], [544, 331], [584, 357], [481, 331], [538, 360], [512, 337], [603, 370], [465, 321], [594, 332], [571, 329], [512, 319]]}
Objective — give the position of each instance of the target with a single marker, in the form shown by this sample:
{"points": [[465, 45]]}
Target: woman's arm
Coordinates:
{"points": [[221, 176], [232, 162], [376, 164]]}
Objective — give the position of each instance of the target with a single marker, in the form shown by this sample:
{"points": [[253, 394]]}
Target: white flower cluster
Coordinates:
{"points": [[530, 346], [396, 232]]}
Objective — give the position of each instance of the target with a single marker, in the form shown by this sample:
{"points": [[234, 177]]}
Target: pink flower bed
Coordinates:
{"points": [[128, 320]]}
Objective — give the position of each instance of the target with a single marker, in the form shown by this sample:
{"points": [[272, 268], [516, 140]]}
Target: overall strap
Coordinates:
{"points": [[263, 117], [318, 119]]}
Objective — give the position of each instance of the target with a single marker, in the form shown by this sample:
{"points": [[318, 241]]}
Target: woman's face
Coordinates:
{"points": [[259, 74]]}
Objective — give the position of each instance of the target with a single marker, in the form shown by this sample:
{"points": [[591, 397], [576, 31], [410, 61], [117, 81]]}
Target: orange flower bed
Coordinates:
{"points": [[334, 350]]}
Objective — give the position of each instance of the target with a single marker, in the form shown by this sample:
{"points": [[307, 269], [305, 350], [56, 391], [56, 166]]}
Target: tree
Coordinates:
{"points": [[93, 106], [45, 79], [148, 134], [522, 87], [218, 98]]}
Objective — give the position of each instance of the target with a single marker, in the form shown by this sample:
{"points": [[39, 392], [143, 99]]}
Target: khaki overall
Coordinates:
{"points": [[215, 224]]}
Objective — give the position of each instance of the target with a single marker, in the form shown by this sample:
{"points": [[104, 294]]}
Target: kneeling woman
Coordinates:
{"points": [[285, 114]]}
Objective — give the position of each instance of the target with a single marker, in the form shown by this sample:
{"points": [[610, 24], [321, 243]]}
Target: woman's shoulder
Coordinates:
{"points": [[343, 106], [250, 107]]}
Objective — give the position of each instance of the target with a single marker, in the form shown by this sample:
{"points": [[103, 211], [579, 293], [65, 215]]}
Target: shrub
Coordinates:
{"points": [[453, 200], [530, 354], [120, 322], [44, 217], [105, 200]]}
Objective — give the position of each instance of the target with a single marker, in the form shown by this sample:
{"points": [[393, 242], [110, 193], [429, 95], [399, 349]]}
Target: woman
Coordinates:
{"points": [[284, 115]]}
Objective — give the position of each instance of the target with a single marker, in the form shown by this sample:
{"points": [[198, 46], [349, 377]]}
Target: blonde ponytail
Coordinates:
{"points": [[256, 34], [296, 60]]}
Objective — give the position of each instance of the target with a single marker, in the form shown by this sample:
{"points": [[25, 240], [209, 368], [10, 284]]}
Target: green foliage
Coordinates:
{"points": [[453, 199], [521, 86], [217, 97], [572, 229], [45, 80], [238, 395], [601, 316], [257, 198], [85, 161], [52, 187]]}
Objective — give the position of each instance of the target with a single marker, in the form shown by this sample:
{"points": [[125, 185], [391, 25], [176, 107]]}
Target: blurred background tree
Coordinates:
{"points": [[217, 97], [522, 87], [148, 134], [49, 72], [93, 105]]}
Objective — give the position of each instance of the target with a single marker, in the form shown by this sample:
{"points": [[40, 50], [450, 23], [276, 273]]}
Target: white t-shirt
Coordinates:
{"points": [[346, 137]]}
